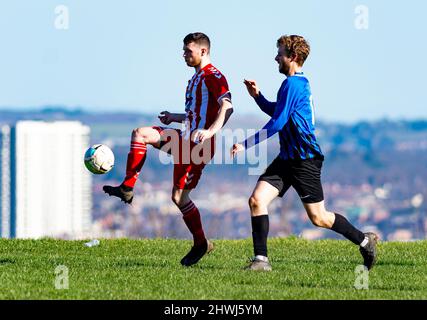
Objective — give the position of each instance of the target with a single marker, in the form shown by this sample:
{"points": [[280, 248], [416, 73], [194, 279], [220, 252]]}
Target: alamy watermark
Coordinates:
{"points": [[362, 278], [361, 21], [185, 151], [61, 277], [62, 17]]}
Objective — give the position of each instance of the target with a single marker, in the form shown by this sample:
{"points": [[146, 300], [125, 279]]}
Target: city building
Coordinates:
{"points": [[45, 188]]}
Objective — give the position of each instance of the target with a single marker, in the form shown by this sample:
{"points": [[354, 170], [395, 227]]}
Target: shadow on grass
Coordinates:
{"points": [[142, 264], [311, 261], [396, 263], [7, 261]]}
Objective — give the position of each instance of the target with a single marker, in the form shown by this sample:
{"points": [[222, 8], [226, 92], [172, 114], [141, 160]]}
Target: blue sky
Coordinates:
{"points": [[127, 55]]}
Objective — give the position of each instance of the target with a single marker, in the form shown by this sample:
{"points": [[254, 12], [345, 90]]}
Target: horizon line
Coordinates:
{"points": [[88, 110]]}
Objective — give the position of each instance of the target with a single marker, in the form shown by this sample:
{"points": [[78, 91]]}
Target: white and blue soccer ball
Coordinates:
{"points": [[99, 159]]}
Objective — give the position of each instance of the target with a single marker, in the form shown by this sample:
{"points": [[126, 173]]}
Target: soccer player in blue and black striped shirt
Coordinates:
{"points": [[300, 160]]}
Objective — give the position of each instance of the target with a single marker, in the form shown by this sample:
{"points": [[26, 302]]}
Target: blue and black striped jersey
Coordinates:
{"points": [[293, 117]]}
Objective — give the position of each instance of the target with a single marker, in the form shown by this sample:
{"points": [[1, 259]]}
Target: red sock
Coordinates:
{"points": [[136, 159], [191, 216]]}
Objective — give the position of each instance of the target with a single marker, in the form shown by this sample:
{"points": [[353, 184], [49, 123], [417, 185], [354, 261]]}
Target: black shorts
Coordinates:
{"points": [[303, 175]]}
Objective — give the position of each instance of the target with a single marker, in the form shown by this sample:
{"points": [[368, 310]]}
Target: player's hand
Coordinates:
{"points": [[166, 117], [237, 147], [252, 87], [201, 135]]}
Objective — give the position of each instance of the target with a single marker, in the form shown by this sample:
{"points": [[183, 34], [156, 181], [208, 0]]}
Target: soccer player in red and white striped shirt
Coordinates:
{"points": [[207, 109]]}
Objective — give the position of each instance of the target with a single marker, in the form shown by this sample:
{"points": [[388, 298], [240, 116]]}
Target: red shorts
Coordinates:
{"points": [[189, 157]]}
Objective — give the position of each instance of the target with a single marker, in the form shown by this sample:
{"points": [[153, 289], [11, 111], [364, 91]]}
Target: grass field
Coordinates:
{"points": [[150, 269]]}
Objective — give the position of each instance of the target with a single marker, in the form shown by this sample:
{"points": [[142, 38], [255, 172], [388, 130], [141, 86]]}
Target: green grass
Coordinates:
{"points": [[150, 269]]}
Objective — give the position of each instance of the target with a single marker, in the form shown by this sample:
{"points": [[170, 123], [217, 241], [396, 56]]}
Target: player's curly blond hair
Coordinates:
{"points": [[295, 46]]}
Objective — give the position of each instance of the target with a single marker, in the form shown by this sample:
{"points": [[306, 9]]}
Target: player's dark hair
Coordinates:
{"points": [[199, 38], [295, 46]]}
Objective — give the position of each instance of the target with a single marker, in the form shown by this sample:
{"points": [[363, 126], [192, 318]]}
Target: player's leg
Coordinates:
{"points": [[186, 178], [320, 217], [272, 183], [190, 214], [141, 137], [261, 197], [307, 182], [189, 164]]}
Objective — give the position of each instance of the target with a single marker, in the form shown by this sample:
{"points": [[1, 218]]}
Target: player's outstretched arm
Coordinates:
{"points": [[265, 105], [167, 117], [279, 119], [224, 113]]}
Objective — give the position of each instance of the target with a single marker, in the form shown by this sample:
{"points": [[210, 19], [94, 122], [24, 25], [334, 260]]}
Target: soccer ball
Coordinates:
{"points": [[99, 159]]}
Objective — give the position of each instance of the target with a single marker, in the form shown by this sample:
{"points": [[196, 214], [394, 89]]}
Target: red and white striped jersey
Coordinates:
{"points": [[204, 91]]}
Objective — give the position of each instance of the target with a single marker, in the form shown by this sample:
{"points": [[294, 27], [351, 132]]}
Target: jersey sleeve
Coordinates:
{"points": [[286, 104], [217, 86], [265, 105]]}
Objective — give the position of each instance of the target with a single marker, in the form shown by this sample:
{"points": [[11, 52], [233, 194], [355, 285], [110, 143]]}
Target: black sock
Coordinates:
{"points": [[260, 226], [344, 227]]}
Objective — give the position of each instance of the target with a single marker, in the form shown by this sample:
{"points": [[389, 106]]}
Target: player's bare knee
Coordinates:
{"points": [[136, 133], [179, 199], [176, 198], [255, 203], [140, 134]]}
